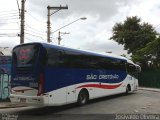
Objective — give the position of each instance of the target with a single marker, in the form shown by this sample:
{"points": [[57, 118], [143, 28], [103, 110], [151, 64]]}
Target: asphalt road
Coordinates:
{"points": [[140, 102]]}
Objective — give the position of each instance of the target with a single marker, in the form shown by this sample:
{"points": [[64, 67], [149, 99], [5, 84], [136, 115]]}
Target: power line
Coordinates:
{"points": [[8, 22], [8, 14], [12, 18], [28, 38], [8, 34], [35, 35], [35, 32], [34, 17], [34, 29], [10, 11], [8, 29], [8, 17]]}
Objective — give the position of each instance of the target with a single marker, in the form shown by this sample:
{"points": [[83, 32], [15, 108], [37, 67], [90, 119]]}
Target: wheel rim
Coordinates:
{"points": [[83, 98]]}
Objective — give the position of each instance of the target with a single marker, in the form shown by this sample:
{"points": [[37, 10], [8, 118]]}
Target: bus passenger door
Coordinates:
{"points": [[71, 94]]}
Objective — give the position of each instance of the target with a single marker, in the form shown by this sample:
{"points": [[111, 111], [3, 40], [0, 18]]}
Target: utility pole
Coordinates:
{"points": [[48, 21], [22, 21], [59, 36]]}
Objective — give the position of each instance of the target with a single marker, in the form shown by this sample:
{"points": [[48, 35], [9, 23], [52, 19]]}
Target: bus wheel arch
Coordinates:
{"points": [[83, 97]]}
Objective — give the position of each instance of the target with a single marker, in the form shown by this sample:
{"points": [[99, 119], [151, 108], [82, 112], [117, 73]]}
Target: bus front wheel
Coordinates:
{"points": [[128, 88], [83, 97]]}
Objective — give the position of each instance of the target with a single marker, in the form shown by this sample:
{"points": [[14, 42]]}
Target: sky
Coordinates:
{"points": [[91, 34]]}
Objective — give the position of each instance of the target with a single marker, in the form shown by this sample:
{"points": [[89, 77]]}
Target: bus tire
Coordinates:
{"points": [[128, 88], [83, 97]]}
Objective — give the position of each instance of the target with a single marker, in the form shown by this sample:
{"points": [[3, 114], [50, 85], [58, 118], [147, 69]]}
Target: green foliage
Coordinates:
{"points": [[133, 34], [150, 48], [150, 52]]}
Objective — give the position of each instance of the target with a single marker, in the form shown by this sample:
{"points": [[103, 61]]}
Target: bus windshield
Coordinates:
{"points": [[25, 55]]}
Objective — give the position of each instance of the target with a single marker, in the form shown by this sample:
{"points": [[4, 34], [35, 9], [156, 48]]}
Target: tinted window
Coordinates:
{"points": [[112, 64], [80, 60], [54, 57], [24, 55], [131, 68], [70, 59]]}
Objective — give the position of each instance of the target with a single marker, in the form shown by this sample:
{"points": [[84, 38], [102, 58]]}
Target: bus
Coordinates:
{"points": [[50, 75]]}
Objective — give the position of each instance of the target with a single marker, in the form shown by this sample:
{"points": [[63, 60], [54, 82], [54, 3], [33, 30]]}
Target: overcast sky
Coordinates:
{"points": [[92, 34]]}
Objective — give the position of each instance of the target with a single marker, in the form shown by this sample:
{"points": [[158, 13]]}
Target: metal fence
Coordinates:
{"points": [[150, 79]]}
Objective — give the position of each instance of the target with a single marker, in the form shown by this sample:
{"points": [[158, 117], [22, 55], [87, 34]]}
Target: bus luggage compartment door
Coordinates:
{"points": [[71, 94]]}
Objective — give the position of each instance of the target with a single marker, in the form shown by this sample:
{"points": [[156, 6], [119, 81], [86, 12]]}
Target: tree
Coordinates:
{"points": [[133, 34], [151, 52]]}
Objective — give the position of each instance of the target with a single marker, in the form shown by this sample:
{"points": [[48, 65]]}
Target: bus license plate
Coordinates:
{"points": [[23, 100]]}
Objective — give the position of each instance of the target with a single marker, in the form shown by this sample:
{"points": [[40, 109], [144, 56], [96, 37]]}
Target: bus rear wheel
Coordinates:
{"points": [[83, 97]]}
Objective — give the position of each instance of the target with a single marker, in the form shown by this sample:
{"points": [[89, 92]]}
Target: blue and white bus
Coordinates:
{"points": [[50, 75]]}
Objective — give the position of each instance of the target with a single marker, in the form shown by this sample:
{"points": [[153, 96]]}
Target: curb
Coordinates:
{"points": [[149, 89], [11, 105]]}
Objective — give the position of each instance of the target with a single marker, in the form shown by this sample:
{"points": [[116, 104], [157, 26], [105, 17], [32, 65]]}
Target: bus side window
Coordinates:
{"points": [[52, 57], [131, 68], [112, 64]]}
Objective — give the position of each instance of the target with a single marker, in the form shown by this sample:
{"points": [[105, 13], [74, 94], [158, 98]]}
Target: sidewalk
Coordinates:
{"points": [[149, 89]]}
